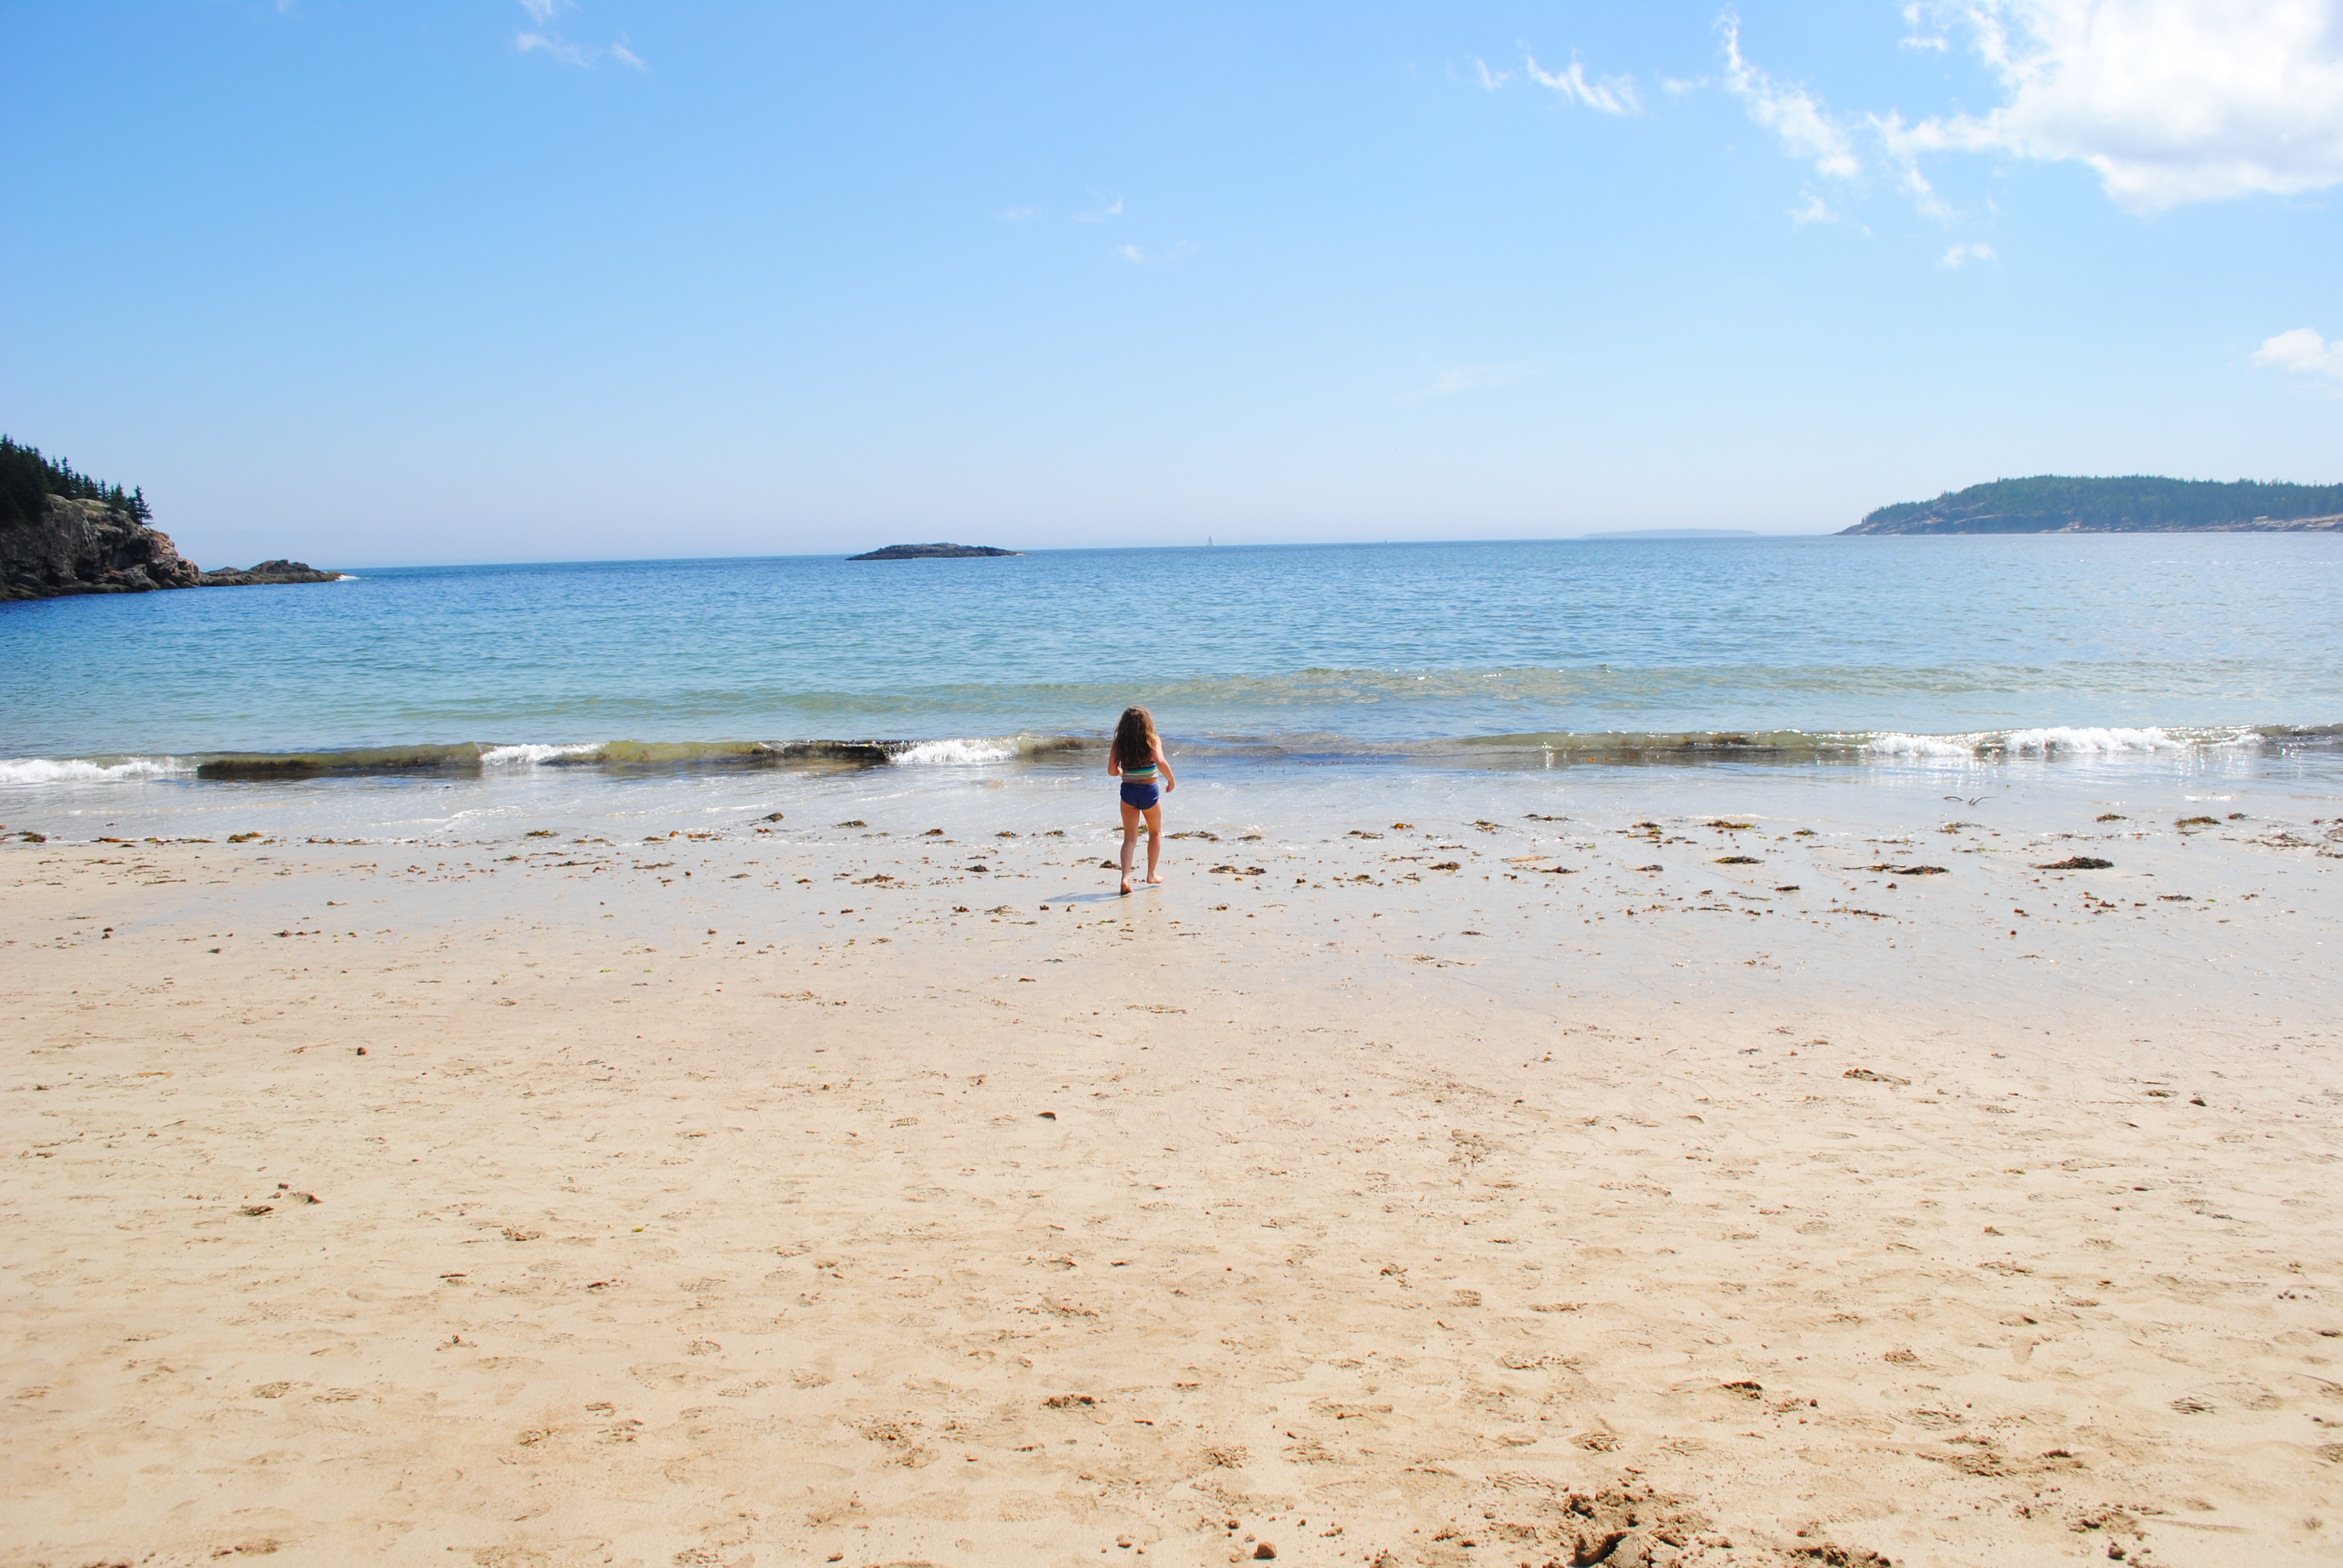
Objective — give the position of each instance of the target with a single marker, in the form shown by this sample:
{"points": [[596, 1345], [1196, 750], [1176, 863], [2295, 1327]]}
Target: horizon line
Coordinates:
{"points": [[1653, 536]]}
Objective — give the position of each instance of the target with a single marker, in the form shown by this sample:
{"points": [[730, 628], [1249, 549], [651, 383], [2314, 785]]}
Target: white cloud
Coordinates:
{"points": [[553, 45], [1794, 116], [1611, 95], [1491, 80], [1014, 213], [1112, 209], [1979, 251], [1816, 210], [2171, 101], [2302, 351], [1467, 377]]}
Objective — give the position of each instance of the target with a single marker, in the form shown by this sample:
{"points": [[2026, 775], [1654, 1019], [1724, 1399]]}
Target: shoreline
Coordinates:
{"points": [[1061, 756], [1469, 1207]]}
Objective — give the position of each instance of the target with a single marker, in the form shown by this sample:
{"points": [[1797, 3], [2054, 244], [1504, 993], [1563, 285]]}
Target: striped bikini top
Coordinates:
{"points": [[1147, 775]]}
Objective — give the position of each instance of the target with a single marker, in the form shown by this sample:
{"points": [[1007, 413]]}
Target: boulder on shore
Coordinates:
{"points": [[79, 546]]}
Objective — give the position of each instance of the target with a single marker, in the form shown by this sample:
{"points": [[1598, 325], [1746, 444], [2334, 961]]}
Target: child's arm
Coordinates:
{"points": [[1114, 761], [1164, 764]]}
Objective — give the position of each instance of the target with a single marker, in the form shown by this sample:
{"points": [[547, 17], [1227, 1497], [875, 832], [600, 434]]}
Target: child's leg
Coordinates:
{"points": [[1154, 841], [1129, 840]]}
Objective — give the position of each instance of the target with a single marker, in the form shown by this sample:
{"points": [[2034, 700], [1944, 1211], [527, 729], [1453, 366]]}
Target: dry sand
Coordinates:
{"points": [[442, 1207]]}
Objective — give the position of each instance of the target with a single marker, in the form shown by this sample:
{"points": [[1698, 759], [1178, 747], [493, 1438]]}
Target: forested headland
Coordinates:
{"points": [[2052, 503]]}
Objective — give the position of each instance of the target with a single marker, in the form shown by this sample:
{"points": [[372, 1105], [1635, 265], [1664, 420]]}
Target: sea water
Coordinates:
{"points": [[1346, 679]]}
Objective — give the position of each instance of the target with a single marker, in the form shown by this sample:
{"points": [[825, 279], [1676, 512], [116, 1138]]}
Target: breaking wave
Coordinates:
{"points": [[1548, 749], [954, 753], [85, 771], [2081, 740], [530, 756]]}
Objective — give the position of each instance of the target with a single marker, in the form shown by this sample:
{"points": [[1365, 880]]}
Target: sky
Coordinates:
{"points": [[499, 280]]}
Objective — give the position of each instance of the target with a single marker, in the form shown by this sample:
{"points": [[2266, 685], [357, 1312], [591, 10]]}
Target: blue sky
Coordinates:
{"points": [[374, 284]]}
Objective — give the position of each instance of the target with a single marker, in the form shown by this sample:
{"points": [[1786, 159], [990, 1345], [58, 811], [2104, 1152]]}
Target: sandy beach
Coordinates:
{"points": [[1396, 1194]]}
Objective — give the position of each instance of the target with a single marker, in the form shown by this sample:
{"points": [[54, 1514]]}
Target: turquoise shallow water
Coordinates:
{"points": [[1401, 649]]}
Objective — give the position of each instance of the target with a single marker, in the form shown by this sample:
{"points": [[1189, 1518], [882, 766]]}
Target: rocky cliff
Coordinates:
{"points": [[86, 547]]}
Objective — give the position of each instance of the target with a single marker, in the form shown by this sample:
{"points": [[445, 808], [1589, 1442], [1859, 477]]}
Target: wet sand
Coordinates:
{"points": [[808, 1195]]}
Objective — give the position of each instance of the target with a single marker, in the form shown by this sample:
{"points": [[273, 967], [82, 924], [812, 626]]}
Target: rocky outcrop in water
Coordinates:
{"points": [[78, 547], [265, 574], [930, 552]]}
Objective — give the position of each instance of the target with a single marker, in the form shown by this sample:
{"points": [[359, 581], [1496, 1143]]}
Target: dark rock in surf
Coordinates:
{"points": [[930, 553]]}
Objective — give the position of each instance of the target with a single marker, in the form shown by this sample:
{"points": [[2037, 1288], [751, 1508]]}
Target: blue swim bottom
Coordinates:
{"points": [[1142, 797]]}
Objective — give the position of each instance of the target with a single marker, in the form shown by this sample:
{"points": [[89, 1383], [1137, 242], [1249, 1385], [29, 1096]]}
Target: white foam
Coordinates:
{"points": [[2092, 742], [530, 756], [1926, 748], [77, 770], [954, 753]]}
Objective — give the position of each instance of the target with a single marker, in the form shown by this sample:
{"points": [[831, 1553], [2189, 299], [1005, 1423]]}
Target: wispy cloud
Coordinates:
{"points": [[1916, 34], [1471, 378], [1100, 214], [1967, 252], [548, 39], [1798, 119], [1490, 80], [1814, 209], [561, 49], [1610, 95], [1141, 255], [1014, 213], [2303, 352]]}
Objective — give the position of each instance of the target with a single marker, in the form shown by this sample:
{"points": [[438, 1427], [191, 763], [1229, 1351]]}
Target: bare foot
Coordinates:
{"points": [[1154, 881], [1126, 884]]}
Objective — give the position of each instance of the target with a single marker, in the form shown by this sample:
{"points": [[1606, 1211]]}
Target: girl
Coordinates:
{"points": [[1137, 759]]}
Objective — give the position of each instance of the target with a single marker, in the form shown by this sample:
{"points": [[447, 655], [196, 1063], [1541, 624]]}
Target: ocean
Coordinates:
{"points": [[409, 701]]}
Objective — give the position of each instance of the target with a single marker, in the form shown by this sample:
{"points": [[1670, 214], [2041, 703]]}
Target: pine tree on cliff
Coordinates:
{"points": [[27, 480]]}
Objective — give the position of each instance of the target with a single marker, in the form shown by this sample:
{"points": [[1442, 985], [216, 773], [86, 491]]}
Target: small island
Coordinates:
{"points": [[930, 553], [2137, 503], [267, 574], [64, 533]]}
